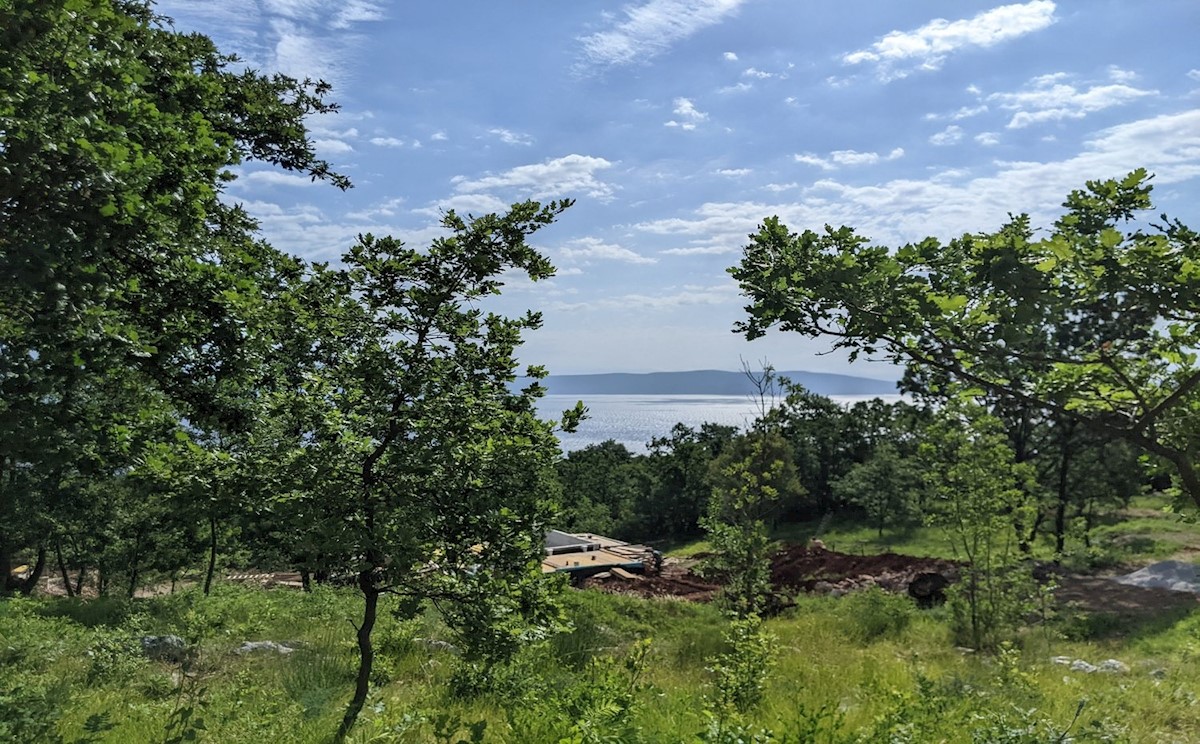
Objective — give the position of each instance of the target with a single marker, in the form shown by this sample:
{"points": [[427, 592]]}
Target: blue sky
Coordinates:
{"points": [[678, 125]]}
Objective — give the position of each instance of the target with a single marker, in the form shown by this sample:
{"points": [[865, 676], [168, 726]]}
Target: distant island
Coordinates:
{"points": [[707, 382]]}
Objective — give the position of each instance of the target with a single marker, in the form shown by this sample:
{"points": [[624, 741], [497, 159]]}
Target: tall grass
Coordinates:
{"points": [[858, 669]]}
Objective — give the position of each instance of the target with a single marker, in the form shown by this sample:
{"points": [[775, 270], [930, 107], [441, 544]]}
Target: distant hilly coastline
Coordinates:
{"points": [[707, 382]]}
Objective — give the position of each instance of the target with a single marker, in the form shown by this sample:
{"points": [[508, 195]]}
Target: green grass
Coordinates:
{"points": [[846, 536], [876, 663], [1147, 532]]}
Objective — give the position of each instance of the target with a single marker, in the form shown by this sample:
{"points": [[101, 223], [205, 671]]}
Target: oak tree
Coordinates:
{"points": [[1099, 316]]}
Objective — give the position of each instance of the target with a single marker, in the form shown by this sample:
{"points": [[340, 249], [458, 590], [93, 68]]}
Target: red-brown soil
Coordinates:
{"points": [[794, 568], [801, 568]]}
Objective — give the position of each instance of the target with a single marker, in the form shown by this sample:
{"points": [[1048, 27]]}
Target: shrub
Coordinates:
{"points": [[115, 657]]}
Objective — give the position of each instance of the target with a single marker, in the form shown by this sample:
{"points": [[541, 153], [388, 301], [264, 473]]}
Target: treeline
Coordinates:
{"points": [[857, 463], [176, 392]]}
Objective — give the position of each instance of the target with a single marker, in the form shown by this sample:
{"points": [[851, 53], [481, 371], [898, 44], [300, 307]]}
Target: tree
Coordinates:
{"points": [[749, 480], [824, 443], [117, 254], [1103, 324], [605, 488], [680, 464], [423, 470], [886, 486], [977, 492]]}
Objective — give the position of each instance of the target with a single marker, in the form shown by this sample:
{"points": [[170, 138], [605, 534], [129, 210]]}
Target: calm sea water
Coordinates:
{"points": [[633, 420]]}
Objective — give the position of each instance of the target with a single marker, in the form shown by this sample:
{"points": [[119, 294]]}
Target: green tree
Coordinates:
{"points": [[425, 472], [1102, 322], [680, 464], [604, 488], [117, 254], [976, 489], [749, 480], [825, 442], [886, 486]]}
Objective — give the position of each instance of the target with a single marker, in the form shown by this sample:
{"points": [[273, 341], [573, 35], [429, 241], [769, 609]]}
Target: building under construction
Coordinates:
{"points": [[583, 554]]}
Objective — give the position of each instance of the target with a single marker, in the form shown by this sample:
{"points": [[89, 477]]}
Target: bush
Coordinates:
{"points": [[987, 607], [740, 674], [875, 614], [115, 657]]}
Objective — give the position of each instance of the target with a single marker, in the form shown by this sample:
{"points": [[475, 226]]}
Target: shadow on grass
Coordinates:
{"points": [[1083, 625], [108, 612]]}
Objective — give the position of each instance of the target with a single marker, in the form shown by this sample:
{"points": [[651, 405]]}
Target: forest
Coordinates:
{"points": [[182, 404]]}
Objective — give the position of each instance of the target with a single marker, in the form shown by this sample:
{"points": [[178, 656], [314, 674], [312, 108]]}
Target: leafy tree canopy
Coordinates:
{"points": [[1097, 319]]}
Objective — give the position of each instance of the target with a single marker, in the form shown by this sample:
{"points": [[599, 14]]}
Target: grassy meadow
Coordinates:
{"points": [[868, 667]]}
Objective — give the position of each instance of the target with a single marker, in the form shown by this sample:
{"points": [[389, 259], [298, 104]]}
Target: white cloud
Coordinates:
{"points": [[307, 231], [1051, 98], [477, 204], [273, 178], [847, 157], [301, 38], [686, 296], [951, 135], [569, 176], [966, 112], [388, 208], [1120, 75], [689, 115], [651, 28], [730, 57], [332, 146], [952, 202], [733, 172], [808, 158], [356, 11], [583, 249], [899, 53], [776, 188], [438, 136], [317, 128], [509, 137], [387, 142], [987, 139], [736, 88], [752, 72], [1194, 74]]}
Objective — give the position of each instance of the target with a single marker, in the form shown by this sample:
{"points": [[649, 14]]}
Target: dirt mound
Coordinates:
{"points": [[794, 568], [674, 580], [798, 567]]}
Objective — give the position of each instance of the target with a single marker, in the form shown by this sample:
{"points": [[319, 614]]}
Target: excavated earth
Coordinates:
{"points": [[815, 569], [795, 568], [800, 568]]}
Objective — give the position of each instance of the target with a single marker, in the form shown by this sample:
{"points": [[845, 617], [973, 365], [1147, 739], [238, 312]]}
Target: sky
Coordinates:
{"points": [[679, 125]]}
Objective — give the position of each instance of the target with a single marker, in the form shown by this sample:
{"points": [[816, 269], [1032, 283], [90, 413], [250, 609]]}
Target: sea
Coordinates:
{"points": [[633, 420]]}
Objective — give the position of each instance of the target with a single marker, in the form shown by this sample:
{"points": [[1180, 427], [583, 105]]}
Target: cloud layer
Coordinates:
{"points": [[900, 53]]}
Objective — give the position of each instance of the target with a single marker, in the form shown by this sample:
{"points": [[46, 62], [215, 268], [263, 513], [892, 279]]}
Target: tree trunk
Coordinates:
{"points": [[133, 565], [212, 553], [1064, 496], [62, 569], [6, 518], [366, 658], [5, 568], [79, 580], [305, 579], [34, 576], [1190, 477]]}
